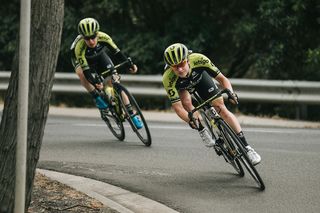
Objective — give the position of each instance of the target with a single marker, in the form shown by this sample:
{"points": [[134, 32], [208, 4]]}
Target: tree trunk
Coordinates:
{"points": [[46, 29]]}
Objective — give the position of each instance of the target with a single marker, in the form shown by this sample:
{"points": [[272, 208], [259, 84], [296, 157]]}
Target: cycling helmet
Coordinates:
{"points": [[175, 54], [88, 27]]}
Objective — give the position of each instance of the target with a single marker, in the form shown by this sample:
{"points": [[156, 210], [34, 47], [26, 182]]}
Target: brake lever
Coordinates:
{"points": [[130, 61]]}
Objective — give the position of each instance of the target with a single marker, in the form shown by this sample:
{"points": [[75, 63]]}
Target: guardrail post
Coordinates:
{"points": [[301, 112]]}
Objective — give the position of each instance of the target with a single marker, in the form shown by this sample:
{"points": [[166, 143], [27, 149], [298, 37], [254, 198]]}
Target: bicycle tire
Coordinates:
{"points": [[230, 153], [114, 123], [142, 133], [242, 154], [206, 121], [234, 162]]}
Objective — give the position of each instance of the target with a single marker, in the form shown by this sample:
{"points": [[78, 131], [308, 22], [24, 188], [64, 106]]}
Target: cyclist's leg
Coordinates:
{"points": [[108, 89], [100, 103], [135, 118], [231, 119], [228, 116]]}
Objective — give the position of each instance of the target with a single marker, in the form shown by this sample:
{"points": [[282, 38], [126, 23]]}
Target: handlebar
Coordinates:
{"points": [[114, 68], [205, 103]]}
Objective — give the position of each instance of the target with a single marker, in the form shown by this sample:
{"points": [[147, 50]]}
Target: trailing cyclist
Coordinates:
{"points": [[94, 51], [182, 73]]}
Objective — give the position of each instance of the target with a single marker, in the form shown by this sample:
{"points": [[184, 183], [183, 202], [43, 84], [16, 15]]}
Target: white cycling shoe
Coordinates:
{"points": [[253, 155], [206, 138]]}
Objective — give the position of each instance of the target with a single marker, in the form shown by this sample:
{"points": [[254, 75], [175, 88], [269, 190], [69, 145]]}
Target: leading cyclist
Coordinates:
{"points": [[182, 67], [90, 52]]}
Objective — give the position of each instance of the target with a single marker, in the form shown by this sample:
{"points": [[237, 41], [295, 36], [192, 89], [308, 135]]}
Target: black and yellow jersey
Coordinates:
{"points": [[80, 50], [198, 63]]}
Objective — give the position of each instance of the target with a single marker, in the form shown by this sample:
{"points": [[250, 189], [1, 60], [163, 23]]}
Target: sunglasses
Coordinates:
{"points": [[90, 37], [181, 64]]}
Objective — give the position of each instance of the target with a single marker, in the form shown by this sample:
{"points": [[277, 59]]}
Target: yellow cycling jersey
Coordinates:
{"points": [[80, 49], [198, 63]]}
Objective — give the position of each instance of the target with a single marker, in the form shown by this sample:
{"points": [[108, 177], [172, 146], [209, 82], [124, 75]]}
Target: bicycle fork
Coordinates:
{"points": [[219, 136], [212, 114]]}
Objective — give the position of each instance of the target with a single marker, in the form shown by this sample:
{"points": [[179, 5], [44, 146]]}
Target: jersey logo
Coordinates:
{"points": [[201, 61], [172, 80], [81, 61], [211, 89], [171, 92]]}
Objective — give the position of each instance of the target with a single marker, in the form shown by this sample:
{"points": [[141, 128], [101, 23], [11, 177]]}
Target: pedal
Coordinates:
{"points": [[217, 147], [217, 150], [104, 114]]}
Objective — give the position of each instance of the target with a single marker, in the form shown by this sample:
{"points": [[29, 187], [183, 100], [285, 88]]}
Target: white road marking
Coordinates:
{"points": [[180, 127]]}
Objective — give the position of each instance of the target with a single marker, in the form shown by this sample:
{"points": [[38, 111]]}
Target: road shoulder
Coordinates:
{"points": [[114, 197]]}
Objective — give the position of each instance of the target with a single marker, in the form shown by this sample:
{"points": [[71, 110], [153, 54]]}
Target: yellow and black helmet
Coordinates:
{"points": [[175, 54], [88, 27]]}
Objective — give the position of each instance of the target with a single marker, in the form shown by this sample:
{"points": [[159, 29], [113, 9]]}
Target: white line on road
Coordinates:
{"points": [[181, 127]]}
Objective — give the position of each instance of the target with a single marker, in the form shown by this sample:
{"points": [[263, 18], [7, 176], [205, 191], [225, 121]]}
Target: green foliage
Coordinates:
{"points": [[269, 39], [8, 32], [312, 64], [286, 30]]}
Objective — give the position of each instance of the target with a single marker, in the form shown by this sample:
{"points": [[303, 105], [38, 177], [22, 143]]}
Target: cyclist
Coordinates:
{"points": [[90, 53], [182, 69]]}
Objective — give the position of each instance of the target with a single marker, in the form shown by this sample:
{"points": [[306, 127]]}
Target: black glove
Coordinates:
{"points": [[89, 77], [233, 98], [193, 123]]}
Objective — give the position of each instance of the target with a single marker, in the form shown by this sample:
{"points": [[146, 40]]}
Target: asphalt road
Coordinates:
{"points": [[180, 172]]}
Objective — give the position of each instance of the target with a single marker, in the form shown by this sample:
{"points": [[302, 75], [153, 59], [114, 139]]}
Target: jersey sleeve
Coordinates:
{"points": [[169, 83], [118, 55], [200, 61], [107, 40], [79, 51], [74, 61]]}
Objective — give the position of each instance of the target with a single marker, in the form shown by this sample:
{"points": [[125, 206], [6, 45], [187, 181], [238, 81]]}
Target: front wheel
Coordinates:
{"points": [[142, 130], [241, 153], [223, 147], [113, 122]]}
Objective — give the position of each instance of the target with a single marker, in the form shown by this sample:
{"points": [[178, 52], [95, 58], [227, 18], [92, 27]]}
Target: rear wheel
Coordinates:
{"points": [[241, 153], [142, 131]]}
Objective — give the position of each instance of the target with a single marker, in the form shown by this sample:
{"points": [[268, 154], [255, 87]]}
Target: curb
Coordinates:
{"points": [[114, 197]]}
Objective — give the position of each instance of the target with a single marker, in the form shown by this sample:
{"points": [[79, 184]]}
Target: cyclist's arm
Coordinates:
{"points": [[169, 82], [180, 111], [87, 72], [89, 77], [212, 70], [118, 55], [224, 82], [79, 54]]}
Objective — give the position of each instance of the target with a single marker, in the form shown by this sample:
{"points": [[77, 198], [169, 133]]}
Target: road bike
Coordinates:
{"points": [[228, 144], [117, 112]]}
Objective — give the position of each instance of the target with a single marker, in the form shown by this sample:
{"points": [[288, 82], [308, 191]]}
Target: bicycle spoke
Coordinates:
{"points": [[242, 156], [142, 131], [113, 123]]}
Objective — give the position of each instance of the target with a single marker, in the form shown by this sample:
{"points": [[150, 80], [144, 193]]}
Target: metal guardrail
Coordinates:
{"points": [[248, 90]]}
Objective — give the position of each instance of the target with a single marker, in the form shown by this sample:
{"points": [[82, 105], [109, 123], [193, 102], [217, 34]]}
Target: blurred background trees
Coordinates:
{"points": [[267, 39]]}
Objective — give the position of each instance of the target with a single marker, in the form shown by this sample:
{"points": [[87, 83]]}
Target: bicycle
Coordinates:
{"points": [[117, 112], [228, 144]]}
